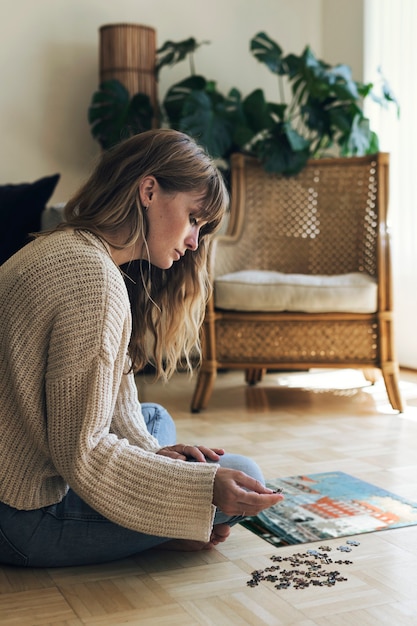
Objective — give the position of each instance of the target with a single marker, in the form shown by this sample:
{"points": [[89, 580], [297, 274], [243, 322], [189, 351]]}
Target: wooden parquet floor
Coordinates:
{"points": [[339, 423]]}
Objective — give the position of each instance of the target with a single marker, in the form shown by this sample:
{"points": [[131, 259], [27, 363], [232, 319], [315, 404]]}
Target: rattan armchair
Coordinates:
{"points": [[320, 228]]}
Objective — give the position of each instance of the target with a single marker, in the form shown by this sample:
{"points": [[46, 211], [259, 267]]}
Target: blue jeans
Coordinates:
{"points": [[72, 533]]}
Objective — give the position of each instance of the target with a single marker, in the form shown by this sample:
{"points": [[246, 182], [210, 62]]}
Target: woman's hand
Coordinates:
{"points": [[191, 453], [236, 493]]}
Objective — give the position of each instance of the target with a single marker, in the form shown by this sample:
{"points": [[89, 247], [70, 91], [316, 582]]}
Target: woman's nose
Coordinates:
{"points": [[192, 239]]}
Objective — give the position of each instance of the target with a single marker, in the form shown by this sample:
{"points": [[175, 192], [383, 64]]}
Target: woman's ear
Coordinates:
{"points": [[147, 187]]}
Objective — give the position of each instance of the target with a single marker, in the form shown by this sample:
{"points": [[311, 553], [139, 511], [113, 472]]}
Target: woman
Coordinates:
{"points": [[87, 473]]}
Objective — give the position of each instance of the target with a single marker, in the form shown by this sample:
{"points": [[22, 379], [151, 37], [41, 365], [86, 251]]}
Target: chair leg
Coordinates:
{"points": [[203, 389], [254, 375], [390, 374]]}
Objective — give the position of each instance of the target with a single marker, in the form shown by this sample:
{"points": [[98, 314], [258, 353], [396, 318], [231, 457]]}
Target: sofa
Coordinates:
{"points": [[23, 210]]}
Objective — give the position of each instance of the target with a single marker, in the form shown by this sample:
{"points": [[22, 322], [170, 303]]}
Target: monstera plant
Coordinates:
{"points": [[318, 111], [114, 115]]}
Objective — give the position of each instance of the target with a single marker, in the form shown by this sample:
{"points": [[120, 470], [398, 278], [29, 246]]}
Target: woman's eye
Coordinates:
{"points": [[193, 220]]}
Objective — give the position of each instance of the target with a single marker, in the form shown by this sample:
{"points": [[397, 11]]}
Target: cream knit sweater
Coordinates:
{"points": [[69, 414]]}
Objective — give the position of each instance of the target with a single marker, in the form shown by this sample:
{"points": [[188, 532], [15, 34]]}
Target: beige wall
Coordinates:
{"points": [[49, 64], [343, 34]]}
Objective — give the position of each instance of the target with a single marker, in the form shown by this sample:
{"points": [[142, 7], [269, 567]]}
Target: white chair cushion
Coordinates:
{"points": [[256, 290]]}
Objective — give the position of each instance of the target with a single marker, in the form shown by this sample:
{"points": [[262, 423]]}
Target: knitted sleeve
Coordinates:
{"points": [[127, 419], [86, 384]]}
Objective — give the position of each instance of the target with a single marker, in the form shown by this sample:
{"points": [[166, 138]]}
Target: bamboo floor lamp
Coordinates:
{"points": [[128, 53]]}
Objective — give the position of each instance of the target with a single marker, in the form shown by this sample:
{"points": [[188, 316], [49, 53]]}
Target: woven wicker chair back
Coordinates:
{"points": [[324, 220]]}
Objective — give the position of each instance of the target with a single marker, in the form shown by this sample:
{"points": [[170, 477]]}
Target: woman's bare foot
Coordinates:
{"points": [[219, 534]]}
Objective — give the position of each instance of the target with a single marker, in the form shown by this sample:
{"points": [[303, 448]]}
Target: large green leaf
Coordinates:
{"points": [[268, 52], [316, 116], [279, 158], [319, 80], [113, 115], [297, 142], [242, 133], [177, 95], [359, 139], [283, 150], [341, 116], [107, 112], [173, 52], [293, 63], [277, 111], [257, 111], [340, 79], [373, 147], [140, 113], [207, 122]]}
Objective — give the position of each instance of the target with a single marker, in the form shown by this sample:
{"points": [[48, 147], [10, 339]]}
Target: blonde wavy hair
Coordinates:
{"points": [[167, 305]]}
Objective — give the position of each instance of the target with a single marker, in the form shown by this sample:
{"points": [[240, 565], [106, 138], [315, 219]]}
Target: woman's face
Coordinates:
{"points": [[173, 225]]}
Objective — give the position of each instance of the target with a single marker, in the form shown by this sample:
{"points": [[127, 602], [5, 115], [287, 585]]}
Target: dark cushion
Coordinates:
{"points": [[21, 207]]}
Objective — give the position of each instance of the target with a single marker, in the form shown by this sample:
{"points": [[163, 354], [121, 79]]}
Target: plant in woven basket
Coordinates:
{"points": [[319, 109], [114, 115]]}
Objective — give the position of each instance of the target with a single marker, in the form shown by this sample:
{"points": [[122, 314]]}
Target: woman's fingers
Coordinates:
{"points": [[187, 452], [236, 493], [201, 453], [211, 453], [252, 506]]}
